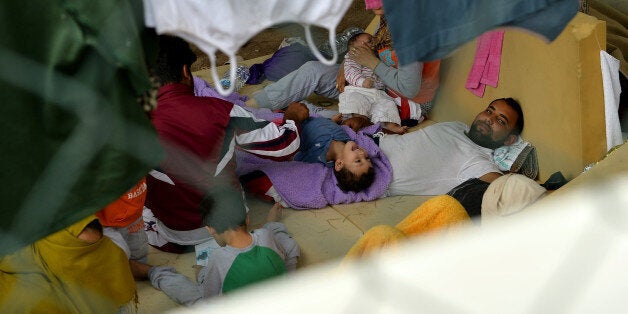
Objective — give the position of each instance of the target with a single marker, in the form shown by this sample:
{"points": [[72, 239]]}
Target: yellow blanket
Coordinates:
{"points": [[438, 213]]}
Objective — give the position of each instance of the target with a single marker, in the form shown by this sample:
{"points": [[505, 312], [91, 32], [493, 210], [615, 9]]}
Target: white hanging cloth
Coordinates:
{"points": [[612, 89], [227, 25]]}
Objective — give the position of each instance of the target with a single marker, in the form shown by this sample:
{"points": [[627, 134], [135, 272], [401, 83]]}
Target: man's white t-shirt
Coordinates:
{"points": [[435, 159]]}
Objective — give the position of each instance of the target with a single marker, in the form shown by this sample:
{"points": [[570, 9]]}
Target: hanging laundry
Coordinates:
{"points": [[439, 27], [485, 69], [74, 136], [226, 25], [612, 89]]}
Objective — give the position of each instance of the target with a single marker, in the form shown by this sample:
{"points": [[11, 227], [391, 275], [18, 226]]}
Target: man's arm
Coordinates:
{"points": [[490, 177], [406, 80]]}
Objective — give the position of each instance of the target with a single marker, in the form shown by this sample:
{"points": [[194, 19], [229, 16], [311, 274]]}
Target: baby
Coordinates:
{"points": [[365, 95]]}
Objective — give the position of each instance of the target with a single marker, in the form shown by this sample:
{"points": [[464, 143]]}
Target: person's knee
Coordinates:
{"points": [[312, 68]]}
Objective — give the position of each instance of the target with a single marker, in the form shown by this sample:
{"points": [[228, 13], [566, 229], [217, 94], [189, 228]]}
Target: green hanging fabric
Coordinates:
{"points": [[74, 136]]}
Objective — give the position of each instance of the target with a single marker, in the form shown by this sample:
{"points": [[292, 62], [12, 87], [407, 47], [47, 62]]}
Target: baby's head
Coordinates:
{"points": [[353, 169], [361, 39], [356, 123]]}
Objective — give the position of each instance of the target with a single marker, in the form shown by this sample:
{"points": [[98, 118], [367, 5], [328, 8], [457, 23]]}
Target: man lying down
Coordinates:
{"points": [[428, 161]]}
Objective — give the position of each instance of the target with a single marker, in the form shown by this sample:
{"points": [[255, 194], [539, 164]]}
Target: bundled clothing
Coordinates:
{"points": [[508, 195]]}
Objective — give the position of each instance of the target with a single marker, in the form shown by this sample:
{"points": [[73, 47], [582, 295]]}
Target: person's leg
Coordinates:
{"points": [[116, 237], [311, 77], [136, 238]]}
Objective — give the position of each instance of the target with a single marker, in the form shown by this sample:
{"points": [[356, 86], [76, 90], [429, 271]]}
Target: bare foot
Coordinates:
{"points": [[274, 214], [395, 128]]}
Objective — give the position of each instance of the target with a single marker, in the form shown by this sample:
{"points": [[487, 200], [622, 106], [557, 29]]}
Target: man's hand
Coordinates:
{"points": [[296, 112]]}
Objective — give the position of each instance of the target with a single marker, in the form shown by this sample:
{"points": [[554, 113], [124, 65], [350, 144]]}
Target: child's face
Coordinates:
{"points": [[365, 40], [354, 158]]}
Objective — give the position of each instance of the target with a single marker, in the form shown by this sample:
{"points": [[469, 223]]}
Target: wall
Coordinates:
{"points": [[558, 85]]}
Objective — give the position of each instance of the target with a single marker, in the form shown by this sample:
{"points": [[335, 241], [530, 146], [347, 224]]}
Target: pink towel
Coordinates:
{"points": [[485, 69], [373, 4]]}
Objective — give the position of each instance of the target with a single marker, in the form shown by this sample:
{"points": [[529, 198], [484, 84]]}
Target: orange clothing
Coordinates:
{"points": [[126, 209], [430, 79]]}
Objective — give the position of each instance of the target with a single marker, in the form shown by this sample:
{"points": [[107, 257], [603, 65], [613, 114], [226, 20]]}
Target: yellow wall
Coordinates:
{"points": [[558, 85]]}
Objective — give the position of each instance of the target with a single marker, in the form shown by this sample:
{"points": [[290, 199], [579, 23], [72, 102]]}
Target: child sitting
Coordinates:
{"points": [[243, 258], [365, 95]]}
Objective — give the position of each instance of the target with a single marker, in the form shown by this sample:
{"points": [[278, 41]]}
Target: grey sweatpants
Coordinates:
{"points": [[313, 77], [131, 239]]}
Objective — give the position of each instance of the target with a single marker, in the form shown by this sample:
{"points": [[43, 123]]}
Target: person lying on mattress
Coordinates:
{"points": [[324, 141], [306, 182], [437, 158], [430, 161]]}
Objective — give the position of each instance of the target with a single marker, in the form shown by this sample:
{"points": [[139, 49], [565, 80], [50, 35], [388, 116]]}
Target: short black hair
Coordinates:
{"points": [[173, 54], [223, 209], [348, 181], [517, 108]]}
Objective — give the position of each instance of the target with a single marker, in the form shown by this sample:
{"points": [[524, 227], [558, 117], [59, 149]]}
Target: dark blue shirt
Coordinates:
{"points": [[316, 136]]}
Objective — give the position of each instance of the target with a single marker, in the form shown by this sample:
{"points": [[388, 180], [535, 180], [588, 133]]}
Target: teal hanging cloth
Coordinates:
{"points": [[74, 136]]}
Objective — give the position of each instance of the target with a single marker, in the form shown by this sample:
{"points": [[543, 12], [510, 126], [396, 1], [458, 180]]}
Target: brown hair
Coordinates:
{"points": [[348, 181]]}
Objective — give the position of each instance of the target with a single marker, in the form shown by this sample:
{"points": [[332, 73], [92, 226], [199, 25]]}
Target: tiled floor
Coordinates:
{"points": [[324, 236]]}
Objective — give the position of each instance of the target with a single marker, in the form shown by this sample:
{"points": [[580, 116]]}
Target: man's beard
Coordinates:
{"points": [[483, 140]]}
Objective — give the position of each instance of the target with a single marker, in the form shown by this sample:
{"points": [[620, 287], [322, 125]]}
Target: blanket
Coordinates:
{"points": [[312, 185], [440, 213]]}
